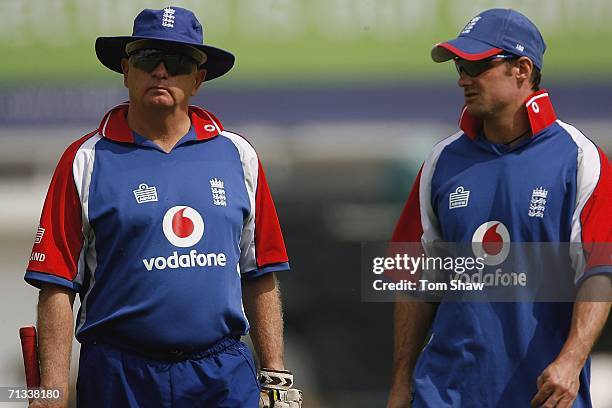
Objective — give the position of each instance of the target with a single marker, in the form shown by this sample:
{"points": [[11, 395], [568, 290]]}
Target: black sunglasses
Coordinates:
{"points": [[176, 64], [475, 68]]}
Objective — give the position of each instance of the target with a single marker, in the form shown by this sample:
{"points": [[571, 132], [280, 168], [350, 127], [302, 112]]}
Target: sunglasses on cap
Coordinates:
{"points": [[175, 63], [475, 68]]}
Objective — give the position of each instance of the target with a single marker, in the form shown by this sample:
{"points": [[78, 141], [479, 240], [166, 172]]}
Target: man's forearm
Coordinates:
{"points": [[261, 298], [55, 325], [588, 320], [559, 383], [412, 322]]}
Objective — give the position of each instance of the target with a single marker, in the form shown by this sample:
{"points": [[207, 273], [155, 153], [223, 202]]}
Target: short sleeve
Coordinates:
{"points": [[59, 244], [270, 252], [262, 248], [591, 235]]}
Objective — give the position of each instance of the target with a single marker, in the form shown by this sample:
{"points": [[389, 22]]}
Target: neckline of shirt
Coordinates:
{"points": [[540, 111]]}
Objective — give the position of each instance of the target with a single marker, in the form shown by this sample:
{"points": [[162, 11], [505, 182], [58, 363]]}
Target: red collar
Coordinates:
{"points": [[114, 124], [539, 108]]}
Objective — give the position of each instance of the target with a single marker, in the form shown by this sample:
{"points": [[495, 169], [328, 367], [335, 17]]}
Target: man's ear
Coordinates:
{"points": [[525, 68], [125, 67], [199, 78]]}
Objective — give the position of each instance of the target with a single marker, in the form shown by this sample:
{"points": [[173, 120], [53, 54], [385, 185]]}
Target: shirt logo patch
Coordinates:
{"points": [[460, 198], [217, 188], [183, 226], [39, 235], [145, 194], [537, 205], [168, 17], [491, 241]]}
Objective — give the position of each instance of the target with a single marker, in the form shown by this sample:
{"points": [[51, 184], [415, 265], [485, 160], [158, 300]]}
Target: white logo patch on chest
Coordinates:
{"points": [[537, 205], [145, 194], [217, 188], [460, 198]]}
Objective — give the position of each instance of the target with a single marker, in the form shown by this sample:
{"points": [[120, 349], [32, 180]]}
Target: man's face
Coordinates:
{"points": [[159, 88], [488, 93]]}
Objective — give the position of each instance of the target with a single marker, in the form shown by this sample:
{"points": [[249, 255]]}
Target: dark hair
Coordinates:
{"points": [[536, 77]]}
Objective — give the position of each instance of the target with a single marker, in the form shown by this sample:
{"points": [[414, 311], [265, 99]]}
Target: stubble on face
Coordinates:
{"points": [[489, 94]]}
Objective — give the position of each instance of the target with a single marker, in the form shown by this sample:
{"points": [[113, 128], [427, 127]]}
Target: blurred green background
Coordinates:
{"points": [[301, 41]]}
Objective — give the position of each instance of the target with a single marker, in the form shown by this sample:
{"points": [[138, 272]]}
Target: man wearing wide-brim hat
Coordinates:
{"points": [[163, 223]]}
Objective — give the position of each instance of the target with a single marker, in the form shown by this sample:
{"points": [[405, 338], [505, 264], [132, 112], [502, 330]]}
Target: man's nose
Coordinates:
{"points": [[160, 70], [464, 79]]}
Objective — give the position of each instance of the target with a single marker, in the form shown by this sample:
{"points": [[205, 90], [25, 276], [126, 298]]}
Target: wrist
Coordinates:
{"points": [[275, 379], [276, 364], [56, 385], [572, 358], [402, 387], [402, 378], [53, 382]]}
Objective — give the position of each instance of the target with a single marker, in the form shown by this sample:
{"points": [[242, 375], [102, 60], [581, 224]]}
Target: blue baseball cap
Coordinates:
{"points": [[492, 32], [168, 27]]}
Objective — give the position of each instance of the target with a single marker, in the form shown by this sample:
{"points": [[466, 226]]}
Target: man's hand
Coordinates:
{"points": [[277, 390], [558, 385]]}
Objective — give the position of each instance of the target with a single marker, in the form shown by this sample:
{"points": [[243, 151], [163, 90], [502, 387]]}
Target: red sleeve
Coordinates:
{"points": [[408, 230], [59, 238], [409, 227], [269, 243], [596, 220]]}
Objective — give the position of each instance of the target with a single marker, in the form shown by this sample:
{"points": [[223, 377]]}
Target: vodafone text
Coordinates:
{"points": [[190, 260]]}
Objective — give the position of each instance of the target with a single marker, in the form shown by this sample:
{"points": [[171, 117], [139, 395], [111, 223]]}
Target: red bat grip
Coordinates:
{"points": [[29, 348]]}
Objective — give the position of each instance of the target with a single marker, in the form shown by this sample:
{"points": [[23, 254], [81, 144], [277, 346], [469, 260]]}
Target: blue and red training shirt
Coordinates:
{"points": [[553, 187], [156, 243]]}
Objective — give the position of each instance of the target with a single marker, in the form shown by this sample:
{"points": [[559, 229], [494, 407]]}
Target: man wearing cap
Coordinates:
{"points": [[511, 148], [162, 221]]}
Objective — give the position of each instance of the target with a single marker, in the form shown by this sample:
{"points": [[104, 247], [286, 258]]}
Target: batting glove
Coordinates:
{"points": [[277, 391]]}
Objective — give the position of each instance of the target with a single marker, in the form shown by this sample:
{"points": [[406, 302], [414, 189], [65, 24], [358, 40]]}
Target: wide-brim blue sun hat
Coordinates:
{"points": [[172, 26]]}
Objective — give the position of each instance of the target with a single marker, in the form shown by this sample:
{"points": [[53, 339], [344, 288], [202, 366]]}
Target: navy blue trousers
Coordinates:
{"points": [[114, 378]]}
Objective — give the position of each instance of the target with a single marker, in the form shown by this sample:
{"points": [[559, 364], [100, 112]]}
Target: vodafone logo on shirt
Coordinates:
{"points": [[183, 226], [491, 241]]}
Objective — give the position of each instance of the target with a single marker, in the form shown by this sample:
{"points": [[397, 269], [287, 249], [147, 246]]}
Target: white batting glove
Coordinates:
{"points": [[277, 391]]}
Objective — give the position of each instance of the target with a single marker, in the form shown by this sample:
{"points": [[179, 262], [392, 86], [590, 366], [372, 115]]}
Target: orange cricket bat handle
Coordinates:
{"points": [[29, 348]]}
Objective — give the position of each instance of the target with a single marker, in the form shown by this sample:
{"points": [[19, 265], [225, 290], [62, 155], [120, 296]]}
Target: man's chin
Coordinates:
{"points": [[475, 110], [159, 103]]}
